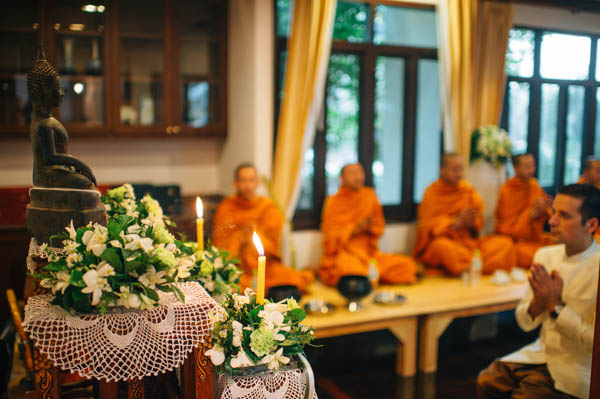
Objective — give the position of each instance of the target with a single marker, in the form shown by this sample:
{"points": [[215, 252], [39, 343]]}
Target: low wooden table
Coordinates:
{"points": [[430, 307]]}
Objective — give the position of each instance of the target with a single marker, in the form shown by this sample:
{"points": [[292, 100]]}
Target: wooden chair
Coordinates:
{"points": [[72, 384]]}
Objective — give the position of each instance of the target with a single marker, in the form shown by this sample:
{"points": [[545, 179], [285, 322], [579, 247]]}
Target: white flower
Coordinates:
{"points": [[73, 258], [134, 241], [128, 299], [134, 229], [274, 360], [70, 246], [71, 230], [173, 248], [209, 286], [241, 360], [223, 333], [216, 355], [237, 333], [47, 283], [95, 240], [95, 284], [240, 301], [147, 303], [151, 278], [218, 263], [43, 247], [184, 265]]}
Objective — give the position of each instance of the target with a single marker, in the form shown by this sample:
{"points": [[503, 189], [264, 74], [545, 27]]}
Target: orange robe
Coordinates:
{"points": [[234, 222], [514, 223], [347, 254], [438, 244]]}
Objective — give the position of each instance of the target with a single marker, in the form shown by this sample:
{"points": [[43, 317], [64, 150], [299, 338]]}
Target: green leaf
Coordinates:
{"points": [[59, 236], [59, 265], [178, 294], [111, 256], [114, 228], [80, 235], [132, 265], [150, 293], [297, 314], [77, 278], [81, 301]]}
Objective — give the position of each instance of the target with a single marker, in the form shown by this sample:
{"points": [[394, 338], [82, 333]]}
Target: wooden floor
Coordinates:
{"points": [[362, 365]]}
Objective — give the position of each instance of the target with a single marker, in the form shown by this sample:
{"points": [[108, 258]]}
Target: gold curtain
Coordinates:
{"points": [[473, 40], [494, 25], [308, 56]]}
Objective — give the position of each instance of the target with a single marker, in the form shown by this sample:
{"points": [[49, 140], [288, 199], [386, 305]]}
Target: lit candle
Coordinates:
{"points": [[200, 225], [260, 284]]}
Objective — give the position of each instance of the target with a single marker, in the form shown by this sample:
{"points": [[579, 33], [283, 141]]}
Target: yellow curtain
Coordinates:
{"points": [[494, 25], [308, 55], [473, 40]]}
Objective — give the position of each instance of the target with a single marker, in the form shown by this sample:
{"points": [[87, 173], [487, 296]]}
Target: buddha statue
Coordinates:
{"points": [[52, 166]]}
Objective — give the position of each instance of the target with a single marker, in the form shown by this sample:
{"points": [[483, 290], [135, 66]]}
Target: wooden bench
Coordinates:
{"points": [[429, 308]]}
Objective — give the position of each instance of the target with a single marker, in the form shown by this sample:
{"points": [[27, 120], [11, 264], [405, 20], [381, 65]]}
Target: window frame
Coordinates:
{"points": [[591, 85], [367, 52]]}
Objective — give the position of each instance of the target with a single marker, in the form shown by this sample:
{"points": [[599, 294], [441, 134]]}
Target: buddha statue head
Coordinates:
{"points": [[43, 83]]}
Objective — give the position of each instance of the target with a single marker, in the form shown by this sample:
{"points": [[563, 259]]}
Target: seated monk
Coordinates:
{"points": [[449, 219], [523, 208], [352, 223], [591, 172], [238, 216]]}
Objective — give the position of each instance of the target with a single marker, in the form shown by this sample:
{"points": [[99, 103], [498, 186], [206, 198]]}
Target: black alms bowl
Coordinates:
{"points": [[354, 287], [280, 292]]}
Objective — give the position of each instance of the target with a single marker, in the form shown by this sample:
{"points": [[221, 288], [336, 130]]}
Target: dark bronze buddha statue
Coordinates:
{"points": [[52, 166]]}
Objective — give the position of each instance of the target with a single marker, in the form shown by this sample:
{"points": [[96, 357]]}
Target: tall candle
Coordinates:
{"points": [[260, 284], [200, 225]]}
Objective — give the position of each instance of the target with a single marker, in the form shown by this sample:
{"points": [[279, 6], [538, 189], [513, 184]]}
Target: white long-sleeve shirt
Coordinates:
{"points": [[565, 344]]}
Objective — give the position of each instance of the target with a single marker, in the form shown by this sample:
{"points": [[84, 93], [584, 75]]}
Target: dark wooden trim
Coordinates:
{"points": [[410, 130], [366, 122], [561, 137], [573, 5]]}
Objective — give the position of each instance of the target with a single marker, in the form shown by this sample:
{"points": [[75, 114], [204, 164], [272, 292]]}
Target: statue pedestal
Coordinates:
{"points": [[51, 209]]}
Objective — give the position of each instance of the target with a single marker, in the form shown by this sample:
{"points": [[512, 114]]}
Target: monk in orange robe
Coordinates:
{"points": [[238, 216], [449, 220], [522, 209], [591, 172], [352, 224]]}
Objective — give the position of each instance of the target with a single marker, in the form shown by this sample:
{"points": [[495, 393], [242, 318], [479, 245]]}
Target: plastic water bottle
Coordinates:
{"points": [[475, 270], [373, 272]]}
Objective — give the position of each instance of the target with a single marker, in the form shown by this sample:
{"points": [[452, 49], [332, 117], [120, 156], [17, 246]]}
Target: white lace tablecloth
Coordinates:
{"points": [[289, 384], [125, 345]]}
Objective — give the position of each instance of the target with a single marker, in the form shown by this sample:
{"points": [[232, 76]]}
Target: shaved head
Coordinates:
{"points": [[245, 180], [451, 168], [524, 166], [591, 171], [352, 176]]}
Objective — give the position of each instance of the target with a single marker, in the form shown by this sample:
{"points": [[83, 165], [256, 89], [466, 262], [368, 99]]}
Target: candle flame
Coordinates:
{"points": [[199, 207], [258, 244]]}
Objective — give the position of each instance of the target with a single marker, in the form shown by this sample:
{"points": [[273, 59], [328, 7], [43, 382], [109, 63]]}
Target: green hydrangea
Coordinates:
{"points": [[261, 341], [165, 257], [162, 234], [206, 268], [117, 193]]}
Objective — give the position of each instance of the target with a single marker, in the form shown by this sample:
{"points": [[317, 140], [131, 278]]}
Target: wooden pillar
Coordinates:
{"points": [[47, 378], [197, 379], [406, 356], [432, 326], [135, 389], [108, 390]]}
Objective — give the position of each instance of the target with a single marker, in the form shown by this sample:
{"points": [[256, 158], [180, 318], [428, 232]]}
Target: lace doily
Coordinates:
{"points": [[124, 345], [36, 252], [289, 384]]}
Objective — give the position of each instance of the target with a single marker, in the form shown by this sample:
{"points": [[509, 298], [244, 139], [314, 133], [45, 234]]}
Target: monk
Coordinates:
{"points": [[238, 216], [591, 172], [449, 219], [522, 209], [352, 224]]}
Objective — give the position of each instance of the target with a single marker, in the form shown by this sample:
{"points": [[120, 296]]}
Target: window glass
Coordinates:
{"points": [[351, 22], [565, 56], [428, 136], [402, 26], [389, 122], [518, 115], [519, 55], [574, 134], [342, 116], [548, 126]]}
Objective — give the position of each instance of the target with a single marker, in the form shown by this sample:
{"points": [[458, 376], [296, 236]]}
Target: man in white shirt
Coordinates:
{"points": [[562, 298]]}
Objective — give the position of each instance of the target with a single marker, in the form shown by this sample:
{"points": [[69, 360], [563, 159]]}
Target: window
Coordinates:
{"points": [[551, 106], [381, 108]]}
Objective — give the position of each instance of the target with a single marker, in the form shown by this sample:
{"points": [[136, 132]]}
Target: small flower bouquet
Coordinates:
{"points": [[216, 272], [492, 144], [250, 335]]}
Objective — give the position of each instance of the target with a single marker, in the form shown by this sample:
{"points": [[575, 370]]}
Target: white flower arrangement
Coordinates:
{"points": [[216, 271], [492, 144], [253, 335]]}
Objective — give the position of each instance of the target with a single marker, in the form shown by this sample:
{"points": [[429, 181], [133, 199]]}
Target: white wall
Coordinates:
{"points": [[557, 18], [250, 91], [191, 163]]}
